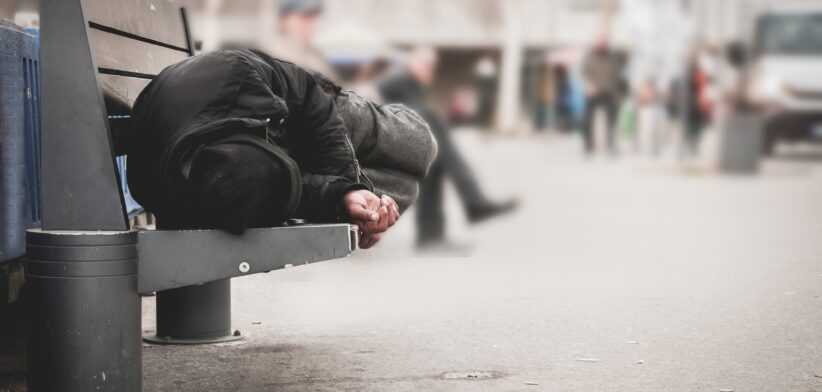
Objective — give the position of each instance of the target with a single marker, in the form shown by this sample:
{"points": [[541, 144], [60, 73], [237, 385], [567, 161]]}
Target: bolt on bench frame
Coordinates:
{"points": [[85, 266]]}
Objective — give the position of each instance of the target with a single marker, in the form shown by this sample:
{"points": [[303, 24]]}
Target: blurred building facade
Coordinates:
{"points": [[517, 36], [511, 33]]}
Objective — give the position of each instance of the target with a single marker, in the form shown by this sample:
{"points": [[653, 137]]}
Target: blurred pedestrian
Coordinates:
{"points": [[699, 107], [602, 73], [409, 86], [563, 113], [649, 118], [546, 96], [485, 79], [297, 25]]}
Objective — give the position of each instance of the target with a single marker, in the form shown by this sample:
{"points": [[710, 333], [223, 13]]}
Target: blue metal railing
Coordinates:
{"points": [[32, 133], [19, 138]]}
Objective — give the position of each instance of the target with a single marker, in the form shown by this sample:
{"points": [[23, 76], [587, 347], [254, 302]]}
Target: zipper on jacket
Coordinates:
{"points": [[359, 170]]}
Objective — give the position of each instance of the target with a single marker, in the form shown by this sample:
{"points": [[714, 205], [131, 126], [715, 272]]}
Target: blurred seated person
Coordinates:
{"points": [[237, 139]]}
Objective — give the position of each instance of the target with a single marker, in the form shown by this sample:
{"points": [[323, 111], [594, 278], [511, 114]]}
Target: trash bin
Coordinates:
{"points": [[740, 143], [19, 138]]}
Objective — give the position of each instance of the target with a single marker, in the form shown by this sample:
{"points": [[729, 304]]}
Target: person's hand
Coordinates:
{"points": [[362, 206], [369, 240], [374, 215]]}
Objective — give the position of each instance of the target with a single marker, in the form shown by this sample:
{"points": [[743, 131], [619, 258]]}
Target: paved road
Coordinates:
{"points": [[628, 275]]}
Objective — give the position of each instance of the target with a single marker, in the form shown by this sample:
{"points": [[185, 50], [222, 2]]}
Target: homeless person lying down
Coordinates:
{"points": [[236, 139]]}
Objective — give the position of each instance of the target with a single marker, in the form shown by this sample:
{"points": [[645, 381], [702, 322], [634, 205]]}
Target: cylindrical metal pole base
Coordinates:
{"points": [[84, 311], [198, 314]]}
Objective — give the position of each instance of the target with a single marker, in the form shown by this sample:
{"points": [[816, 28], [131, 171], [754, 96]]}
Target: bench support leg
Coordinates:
{"points": [[84, 311], [198, 314]]}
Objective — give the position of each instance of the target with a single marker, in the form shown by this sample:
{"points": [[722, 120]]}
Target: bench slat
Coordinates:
{"points": [[119, 93], [159, 20], [123, 54]]}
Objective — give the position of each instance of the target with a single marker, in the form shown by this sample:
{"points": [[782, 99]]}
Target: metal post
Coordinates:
{"points": [[84, 311], [80, 189], [198, 314]]}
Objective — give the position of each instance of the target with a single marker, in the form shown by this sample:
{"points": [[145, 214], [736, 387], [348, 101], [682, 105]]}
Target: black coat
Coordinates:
{"points": [[206, 98]]}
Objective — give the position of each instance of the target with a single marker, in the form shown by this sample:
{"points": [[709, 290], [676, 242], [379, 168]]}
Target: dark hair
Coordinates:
{"points": [[327, 85]]}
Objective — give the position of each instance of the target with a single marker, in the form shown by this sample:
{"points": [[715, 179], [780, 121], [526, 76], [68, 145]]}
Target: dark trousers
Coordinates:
{"points": [[611, 104], [693, 132], [449, 163]]}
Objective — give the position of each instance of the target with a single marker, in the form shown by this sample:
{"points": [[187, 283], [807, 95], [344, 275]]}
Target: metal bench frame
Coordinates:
{"points": [[85, 267]]}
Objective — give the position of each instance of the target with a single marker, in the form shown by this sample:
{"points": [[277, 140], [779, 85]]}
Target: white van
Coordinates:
{"points": [[785, 78]]}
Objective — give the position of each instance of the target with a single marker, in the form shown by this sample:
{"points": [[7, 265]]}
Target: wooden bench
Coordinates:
{"points": [[85, 267]]}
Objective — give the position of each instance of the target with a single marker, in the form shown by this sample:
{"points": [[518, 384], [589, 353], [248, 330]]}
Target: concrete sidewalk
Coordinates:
{"points": [[622, 275]]}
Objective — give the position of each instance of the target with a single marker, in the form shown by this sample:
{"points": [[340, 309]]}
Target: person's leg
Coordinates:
{"points": [[453, 165], [611, 105], [694, 132], [477, 206], [430, 215], [588, 124], [569, 122], [563, 116]]}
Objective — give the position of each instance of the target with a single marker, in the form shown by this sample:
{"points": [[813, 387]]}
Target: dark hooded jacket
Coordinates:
{"points": [[248, 97]]}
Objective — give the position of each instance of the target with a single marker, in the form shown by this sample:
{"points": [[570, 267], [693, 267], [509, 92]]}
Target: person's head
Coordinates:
{"points": [[240, 186], [298, 19], [422, 63]]}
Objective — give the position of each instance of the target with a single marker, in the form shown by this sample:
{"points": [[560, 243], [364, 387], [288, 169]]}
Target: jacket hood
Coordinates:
{"points": [[176, 160]]}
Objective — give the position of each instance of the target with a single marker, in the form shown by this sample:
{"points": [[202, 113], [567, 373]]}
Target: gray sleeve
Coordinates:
{"points": [[391, 136], [394, 145]]}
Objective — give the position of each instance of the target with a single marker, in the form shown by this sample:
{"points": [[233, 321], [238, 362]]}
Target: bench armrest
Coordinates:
{"points": [[176, 258]]}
